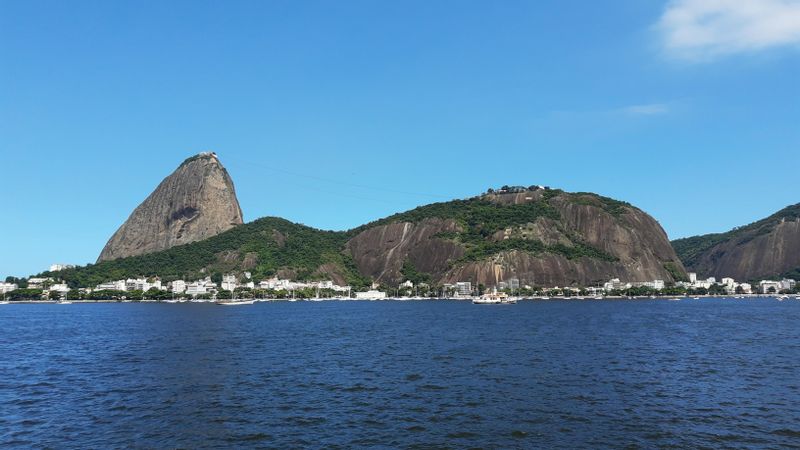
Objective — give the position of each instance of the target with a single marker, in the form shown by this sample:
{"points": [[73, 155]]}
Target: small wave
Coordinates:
{"points": [[787, 432]]}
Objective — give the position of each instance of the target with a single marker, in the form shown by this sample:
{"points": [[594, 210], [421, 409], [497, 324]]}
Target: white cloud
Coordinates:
{"points": [[706, 29], [646, 110]]}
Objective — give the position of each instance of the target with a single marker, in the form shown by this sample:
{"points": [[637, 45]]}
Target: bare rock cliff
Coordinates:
{"points": [[544, 238], [195, 202], [767, 248]]}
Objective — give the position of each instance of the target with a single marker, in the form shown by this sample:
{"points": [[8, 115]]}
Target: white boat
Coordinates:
{"points": [[599, 297], [235, 302], [3, 302], [64, 302], [673, 299], [494, 298]]}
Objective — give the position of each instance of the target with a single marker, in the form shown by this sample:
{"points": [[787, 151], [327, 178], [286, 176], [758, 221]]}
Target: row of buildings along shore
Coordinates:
{"points": [[207, 288]]}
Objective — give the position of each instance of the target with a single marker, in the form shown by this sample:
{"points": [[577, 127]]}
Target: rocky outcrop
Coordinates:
{"points": [[379, 252], [618, 240], [195, 202], [763, 249]]}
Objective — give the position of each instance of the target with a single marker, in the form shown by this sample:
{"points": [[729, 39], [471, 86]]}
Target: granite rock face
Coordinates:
{"points": [[195, 202], [615, 240], [764, 249]]}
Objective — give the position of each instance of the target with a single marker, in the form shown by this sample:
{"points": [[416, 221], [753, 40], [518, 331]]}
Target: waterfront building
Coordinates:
{"points": [[787, 284], [59, 287], [178, 286], [7, 287], [118, 285], [692, 277], [371, 294], [765, 286], [406, 284], [138, 284], [38, 283], [229, 282], [200, 287], [464, 288]]}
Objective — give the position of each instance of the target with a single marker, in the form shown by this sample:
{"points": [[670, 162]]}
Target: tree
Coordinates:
{"points": [[224, 294]]}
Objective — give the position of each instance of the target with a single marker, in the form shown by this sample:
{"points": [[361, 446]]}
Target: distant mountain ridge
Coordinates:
{"points": [[766, 248], [543, 237]]}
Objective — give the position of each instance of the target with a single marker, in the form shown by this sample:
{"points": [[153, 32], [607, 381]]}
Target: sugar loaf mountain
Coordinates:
{"points": [[764, 249], [191, 227]]}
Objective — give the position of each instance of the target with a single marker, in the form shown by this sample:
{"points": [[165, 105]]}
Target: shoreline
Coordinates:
{"points": [[469, 299]]}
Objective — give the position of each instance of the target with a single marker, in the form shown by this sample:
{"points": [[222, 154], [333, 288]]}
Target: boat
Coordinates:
{"points": [[64, 302], [673, 299], [3, 302], [599, 297], [494, 298], [235, 302]]}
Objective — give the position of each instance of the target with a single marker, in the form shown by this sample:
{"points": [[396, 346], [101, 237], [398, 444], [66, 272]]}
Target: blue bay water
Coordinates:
{"points": [[422, 374]]}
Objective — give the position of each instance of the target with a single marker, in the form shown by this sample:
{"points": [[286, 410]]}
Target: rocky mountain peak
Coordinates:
{"points": [[195, 202]]}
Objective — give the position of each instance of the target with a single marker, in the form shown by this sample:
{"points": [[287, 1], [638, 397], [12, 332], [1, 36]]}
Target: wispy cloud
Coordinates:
{"points": [[702, 30], [646, 110]]}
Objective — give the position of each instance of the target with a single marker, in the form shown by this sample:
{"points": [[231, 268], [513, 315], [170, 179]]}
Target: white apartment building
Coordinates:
{"points": [[60, 287], [371, 295], [118, 285], [59, 267], [464, 288], [37, 283], [229, 282], [7, 287], [764, 286], [178, 286]]}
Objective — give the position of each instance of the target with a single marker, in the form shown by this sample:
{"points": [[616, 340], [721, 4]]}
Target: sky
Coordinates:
{"points": [[336, 113]]}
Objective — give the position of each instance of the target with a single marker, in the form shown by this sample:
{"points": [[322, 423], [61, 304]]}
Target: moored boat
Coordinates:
{"points": [[235, 302]]}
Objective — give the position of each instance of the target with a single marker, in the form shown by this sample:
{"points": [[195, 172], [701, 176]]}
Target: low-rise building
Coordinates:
{"points": [[7, 287], [229, 282], [464, 288], [371, 294], [769, 287], [118, 285], [38, 283], [59, 287], [177, 286]]}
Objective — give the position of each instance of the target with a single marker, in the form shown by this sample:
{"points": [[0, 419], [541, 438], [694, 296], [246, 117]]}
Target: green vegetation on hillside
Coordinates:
{"points": [[262, 247], [479, 219], [691, 248], [269, 246], [485, 249], [611, 206]]}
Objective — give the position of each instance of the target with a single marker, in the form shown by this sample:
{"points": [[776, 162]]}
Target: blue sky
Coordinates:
{"points": [[337, 113]]}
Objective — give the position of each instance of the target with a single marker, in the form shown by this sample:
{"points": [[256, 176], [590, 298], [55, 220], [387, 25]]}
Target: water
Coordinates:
{"points": [[592, 374]]}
